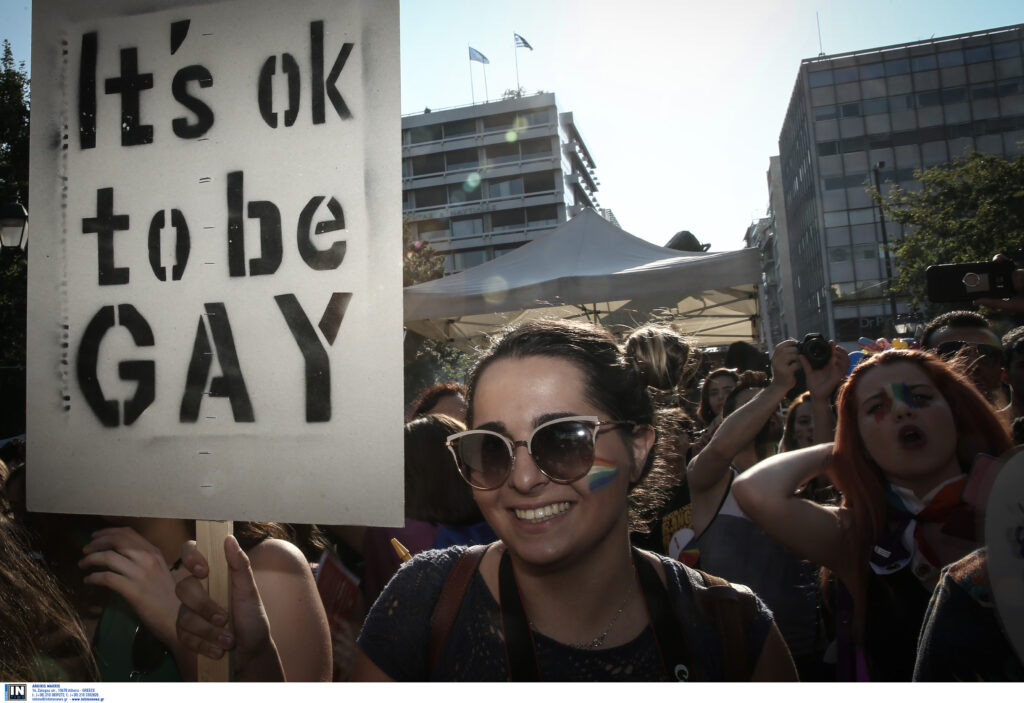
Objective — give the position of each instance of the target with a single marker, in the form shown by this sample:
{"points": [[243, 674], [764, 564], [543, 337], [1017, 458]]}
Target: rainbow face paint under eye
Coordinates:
{"points": [[602, 474]]}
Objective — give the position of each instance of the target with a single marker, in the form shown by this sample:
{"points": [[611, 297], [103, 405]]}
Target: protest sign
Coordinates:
{"points": [[214, 272]]}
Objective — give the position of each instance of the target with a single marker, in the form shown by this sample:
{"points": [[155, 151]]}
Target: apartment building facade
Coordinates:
{"points": [[481, 180]]}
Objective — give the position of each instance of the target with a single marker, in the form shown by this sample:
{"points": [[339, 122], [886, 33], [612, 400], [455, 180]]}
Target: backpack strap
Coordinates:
{"points": [[448, 603], [731, 606]]}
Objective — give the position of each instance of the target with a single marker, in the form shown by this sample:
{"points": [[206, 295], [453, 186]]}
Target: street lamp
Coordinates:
{"points": [[13, 226], [885, 244]]}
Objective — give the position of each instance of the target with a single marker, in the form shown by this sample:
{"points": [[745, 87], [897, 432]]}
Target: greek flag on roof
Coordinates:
{"points": [[522, 42], [475, 55]]}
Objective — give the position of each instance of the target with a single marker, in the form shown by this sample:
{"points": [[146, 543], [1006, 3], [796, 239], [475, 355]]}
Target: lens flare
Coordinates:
{"points": [[472, 182], [495, 289], [511, 136]]}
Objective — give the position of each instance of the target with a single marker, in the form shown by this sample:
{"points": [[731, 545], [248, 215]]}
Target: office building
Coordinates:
{"points": [[769, 236], [894, 109], [480, 180]]}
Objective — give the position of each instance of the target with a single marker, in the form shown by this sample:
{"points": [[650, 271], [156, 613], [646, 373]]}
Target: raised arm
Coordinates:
{"points": [[822, 383], [202, 625], [709, 468], [766, 493], [296, 614]]}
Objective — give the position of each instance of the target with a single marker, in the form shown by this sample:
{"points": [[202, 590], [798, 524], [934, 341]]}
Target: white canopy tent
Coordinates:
{"points": [[589, 268]]}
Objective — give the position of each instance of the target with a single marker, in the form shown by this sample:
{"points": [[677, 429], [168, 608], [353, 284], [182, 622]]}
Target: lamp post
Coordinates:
{"points": [[13, 226], [885, 245]]}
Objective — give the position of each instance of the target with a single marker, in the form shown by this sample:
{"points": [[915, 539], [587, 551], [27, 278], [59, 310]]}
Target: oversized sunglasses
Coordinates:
{"points": [[952, 348], [563, 450]]}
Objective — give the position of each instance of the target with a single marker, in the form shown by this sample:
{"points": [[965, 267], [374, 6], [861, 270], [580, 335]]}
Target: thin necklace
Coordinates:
{"points": [[598, 641]]}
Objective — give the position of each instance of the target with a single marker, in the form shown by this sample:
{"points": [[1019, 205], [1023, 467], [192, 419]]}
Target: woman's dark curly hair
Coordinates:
{"points": [[611, 383]]}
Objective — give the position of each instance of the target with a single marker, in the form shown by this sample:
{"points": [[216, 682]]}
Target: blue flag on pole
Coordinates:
{"points": [[522, 43], [475, 55]]}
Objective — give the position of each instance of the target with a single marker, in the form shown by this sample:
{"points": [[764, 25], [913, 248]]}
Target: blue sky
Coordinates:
{"points": [[680, 102]]}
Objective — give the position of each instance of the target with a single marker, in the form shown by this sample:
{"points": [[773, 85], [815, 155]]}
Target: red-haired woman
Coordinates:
{"points": [[908, 432]]}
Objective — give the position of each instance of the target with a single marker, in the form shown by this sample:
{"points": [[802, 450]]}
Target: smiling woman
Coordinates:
{"points": [[560, 458]]}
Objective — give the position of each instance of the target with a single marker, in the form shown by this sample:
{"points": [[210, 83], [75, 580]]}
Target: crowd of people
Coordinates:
{"points": [[590, 508]]}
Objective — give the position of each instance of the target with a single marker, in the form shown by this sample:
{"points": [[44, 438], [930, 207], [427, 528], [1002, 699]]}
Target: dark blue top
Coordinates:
{"points": [[396, 633]]}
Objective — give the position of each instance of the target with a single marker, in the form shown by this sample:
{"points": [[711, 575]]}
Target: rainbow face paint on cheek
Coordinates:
{"points": [[602, 474]]}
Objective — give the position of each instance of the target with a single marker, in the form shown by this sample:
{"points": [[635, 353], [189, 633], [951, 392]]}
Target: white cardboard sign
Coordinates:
{"points": [[215, 310]]}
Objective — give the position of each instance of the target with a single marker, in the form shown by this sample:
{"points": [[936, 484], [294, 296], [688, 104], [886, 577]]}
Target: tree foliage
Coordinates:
{"points": [[966, 210], [420, 262], [14, 112]]}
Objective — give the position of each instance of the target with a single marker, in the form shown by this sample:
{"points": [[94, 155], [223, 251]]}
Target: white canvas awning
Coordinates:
{"points": [[589, 268]]}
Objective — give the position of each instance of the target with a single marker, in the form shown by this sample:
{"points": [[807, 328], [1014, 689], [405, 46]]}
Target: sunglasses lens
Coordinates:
{"points": [[564, 450], [991, 353], [949, 348], [485, 459]]}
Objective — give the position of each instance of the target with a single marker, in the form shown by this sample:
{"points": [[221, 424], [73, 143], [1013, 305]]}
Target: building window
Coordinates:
{"points": [[875, 107], [467, 226], [951, 58], [505, 187], [504, 121], [536, 117], [428, 133], [463, 192], [862, 216], [978, 54], [430, 163], [897, 67], [846, 75], [431, 197], [535, 148], [542, 216], [433, 230], [836, 219], [538, 182], [462, 159], [502, 154], [469, 258], [838, 254], [924, 63], [850, 109], [828, 148], [820, 78], [460, 128], [508, 220], [825, 112], [871, 70], [1006, 50]]}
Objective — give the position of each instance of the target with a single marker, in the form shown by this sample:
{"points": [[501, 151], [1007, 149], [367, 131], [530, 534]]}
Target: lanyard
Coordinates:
{"points": [[521, 647]]}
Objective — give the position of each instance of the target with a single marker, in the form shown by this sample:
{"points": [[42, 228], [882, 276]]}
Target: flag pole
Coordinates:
{"points": [[515, 50], [486, 97], [472, 93]]}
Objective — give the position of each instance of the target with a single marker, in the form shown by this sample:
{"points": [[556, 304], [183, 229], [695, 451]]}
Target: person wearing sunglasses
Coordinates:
{"points": [[966, 338], [559, 458]]}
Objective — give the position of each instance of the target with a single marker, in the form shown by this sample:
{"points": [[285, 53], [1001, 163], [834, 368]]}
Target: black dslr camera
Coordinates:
{"points": [[815, 349]]}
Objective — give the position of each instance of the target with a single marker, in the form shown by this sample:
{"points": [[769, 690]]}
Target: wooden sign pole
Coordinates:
{"points": [[210, 536]]}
